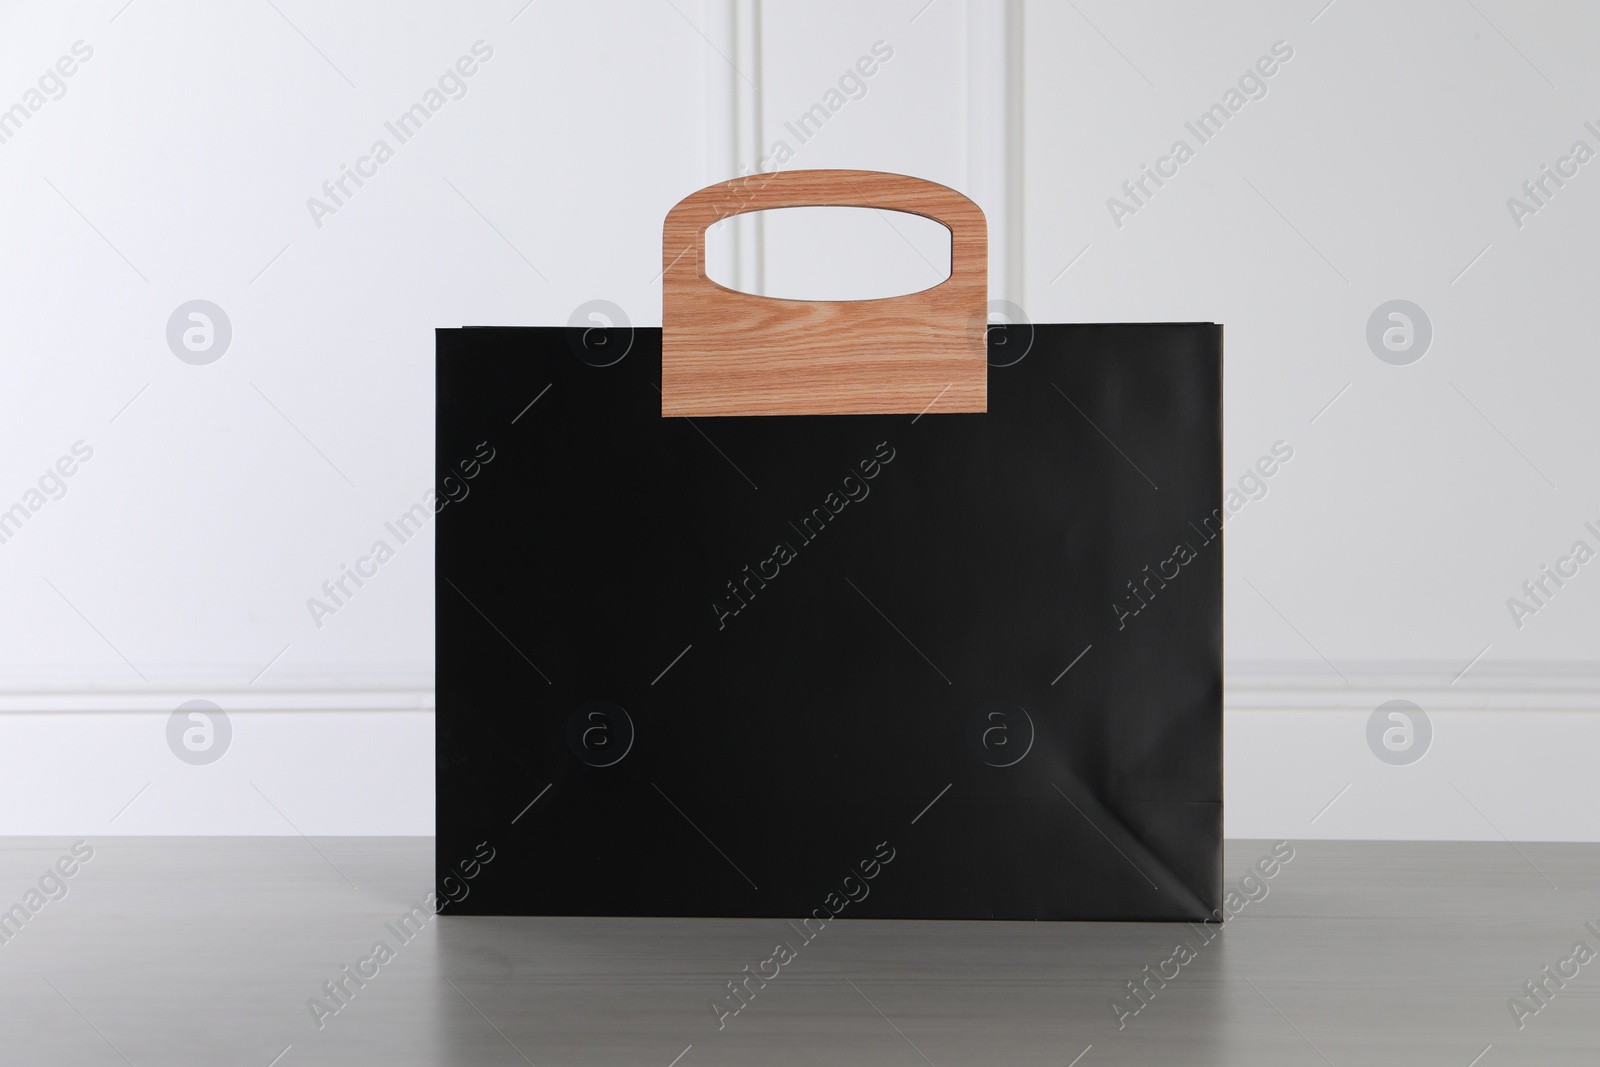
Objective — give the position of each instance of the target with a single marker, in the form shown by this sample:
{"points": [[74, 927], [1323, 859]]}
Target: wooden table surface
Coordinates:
{"points": [[178, 951]]}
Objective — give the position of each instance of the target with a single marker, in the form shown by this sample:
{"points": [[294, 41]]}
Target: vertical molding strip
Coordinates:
{"points": [[994, 135], [1016, 155], [722, 121], [749, 230], [733, 128]]}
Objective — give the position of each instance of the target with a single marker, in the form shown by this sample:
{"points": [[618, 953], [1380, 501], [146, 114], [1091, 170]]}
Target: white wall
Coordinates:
{"points": [[1378, 566], [178, 164]]}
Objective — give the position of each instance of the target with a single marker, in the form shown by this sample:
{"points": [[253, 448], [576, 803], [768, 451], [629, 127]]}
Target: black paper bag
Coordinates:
{"points": [[814, 609], [893, 666]]}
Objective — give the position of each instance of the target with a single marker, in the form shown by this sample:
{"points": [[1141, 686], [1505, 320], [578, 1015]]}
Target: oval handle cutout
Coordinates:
{"points": [[828, 253]]}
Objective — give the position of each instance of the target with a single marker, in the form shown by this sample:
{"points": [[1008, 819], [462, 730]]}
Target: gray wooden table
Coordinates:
{"points": [[178, 951]]}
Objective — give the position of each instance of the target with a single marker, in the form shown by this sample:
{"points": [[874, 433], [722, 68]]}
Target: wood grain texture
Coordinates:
{"points": [[730, 353], [204, 950]]}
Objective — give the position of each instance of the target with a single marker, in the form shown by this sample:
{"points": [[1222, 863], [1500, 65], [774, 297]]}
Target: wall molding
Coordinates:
{"points": [[1275, 685], [734, 130], [994, 136], [736, 139], [1488, 685], [314, 687]]}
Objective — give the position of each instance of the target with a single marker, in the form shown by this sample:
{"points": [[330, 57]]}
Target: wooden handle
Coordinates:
{"points": [[724, 352]]}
